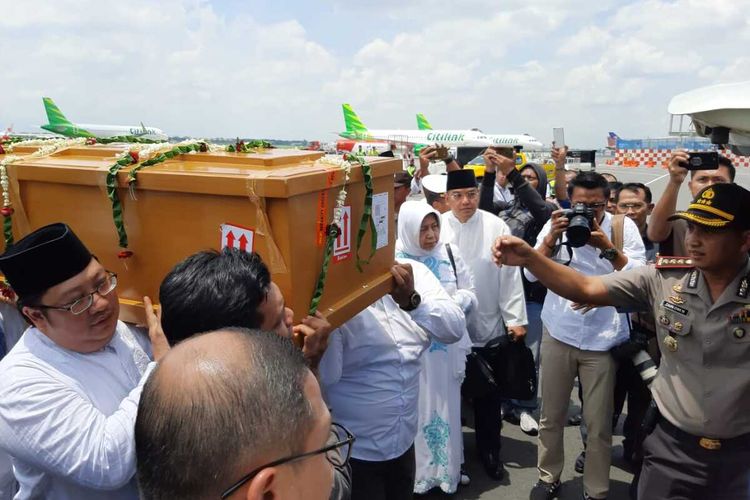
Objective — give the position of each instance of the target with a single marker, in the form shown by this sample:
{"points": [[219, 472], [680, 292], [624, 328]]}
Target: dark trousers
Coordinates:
{"points": [[676, 467], [389, 480], [628, 383], [488, 424]]}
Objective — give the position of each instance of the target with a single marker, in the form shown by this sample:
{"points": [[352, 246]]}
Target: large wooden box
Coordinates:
{"points": [[180, 207]]}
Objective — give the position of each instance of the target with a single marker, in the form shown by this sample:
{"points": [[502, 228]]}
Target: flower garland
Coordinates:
{"points": [[346, 167], [46, 147], [162, 155], [146, 153], [132, 139], [142, 155], [250, 147], [334, 228]]}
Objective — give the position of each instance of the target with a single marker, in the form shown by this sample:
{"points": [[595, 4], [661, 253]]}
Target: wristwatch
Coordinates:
{"points": [[608, 253], [414, 300]]}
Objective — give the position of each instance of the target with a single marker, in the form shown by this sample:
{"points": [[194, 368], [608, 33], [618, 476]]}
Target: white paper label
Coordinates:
{"points": [[380, 216], [239, 237], [342, 246]]}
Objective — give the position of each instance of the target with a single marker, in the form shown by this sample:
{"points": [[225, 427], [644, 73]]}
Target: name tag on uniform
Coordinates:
{"points": [[674, 308]]}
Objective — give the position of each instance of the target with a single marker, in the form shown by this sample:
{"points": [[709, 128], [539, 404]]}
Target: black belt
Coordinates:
{"points": [[738, 442]]}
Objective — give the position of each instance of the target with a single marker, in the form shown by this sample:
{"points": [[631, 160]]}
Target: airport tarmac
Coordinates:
{"points": [[519, 452]]}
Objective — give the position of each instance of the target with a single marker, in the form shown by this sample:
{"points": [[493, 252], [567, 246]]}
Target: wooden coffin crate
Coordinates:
{"points": [[181, 204]]}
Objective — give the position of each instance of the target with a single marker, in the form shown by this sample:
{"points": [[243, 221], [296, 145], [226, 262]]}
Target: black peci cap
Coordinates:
{"points": [[43, 259], [401, 179], [719, 206], [461, 179]]}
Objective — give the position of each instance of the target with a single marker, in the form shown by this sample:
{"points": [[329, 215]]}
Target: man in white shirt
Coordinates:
{"points": [[370, 377], [577, 340], [501, 308], [12, 326], [69, 389]]}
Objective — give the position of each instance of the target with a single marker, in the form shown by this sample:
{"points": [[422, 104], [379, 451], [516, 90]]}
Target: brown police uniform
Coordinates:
{"points": [[700, 447]]}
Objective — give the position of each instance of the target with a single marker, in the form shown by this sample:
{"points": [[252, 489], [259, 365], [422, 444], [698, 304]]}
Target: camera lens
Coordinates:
{"points": [[578, 231]]}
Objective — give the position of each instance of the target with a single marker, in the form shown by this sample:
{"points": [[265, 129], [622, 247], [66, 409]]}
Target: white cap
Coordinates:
{"points": [[435, 183]]}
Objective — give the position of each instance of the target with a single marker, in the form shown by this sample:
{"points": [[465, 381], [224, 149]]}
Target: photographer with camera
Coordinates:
{"points": [[575, 343], [698, 444], [717, 170]]}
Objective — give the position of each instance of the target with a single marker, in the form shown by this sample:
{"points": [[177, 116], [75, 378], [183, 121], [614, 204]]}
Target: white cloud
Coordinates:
{"points": [[188, 67], [588, 39]]}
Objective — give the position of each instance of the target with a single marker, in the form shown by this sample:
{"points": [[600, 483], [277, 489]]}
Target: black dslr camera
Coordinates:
{"points": [[580, 220]]}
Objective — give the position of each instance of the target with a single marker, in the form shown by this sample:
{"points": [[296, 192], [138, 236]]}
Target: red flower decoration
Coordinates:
{"points": [[2, 150], [125, 254], [6, 211], [91, 140], [7, 293], [134, 156]]}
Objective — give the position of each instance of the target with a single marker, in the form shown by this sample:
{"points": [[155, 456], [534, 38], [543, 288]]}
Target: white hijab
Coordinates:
{"points": [[410, 218]]}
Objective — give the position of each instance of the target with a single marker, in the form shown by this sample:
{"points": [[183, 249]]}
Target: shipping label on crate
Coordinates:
{"points": [[380, 216], [234, 236], [342, 246]]}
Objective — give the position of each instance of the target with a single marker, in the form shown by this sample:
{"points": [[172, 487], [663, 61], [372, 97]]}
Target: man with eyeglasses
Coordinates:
{"points": [[634, 200], [670, 234], [501, 306], [236, 413], [69, 389], [576, 341]]}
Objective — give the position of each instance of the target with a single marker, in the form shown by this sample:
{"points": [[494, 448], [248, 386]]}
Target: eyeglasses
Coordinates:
{"points": [[337, 454], [81, 305], [594, 206], [458, 195], [530, 178], [628, 206]]}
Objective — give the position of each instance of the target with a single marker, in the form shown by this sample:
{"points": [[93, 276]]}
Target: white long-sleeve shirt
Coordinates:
{"points": [[499, 289], [12, 326], [68, 419], [370, 371], [601, 328]]}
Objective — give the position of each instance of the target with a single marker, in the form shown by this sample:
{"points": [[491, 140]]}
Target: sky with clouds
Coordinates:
{"points": [[282, 69]]}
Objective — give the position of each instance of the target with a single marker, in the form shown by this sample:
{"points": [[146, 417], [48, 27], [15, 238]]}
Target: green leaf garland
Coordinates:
{"points": [[114, 198], [366, 213]]}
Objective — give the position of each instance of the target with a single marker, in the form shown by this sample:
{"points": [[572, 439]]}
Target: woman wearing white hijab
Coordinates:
{"points": [[439, 442]]}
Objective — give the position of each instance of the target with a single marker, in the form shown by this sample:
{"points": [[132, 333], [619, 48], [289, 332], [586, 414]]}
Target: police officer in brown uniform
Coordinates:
{"points": [[700, 445]]}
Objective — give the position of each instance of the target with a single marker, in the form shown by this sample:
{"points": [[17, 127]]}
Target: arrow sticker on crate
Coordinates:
{"points": [[234, 236], [342, 247]]}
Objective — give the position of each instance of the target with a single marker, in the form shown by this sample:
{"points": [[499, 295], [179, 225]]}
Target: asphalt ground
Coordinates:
{"points": [[519, 451], [657, 178]]}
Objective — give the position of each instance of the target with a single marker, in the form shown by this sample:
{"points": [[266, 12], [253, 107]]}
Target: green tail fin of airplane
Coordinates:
{"points": [[422, 123], [352, 121], [54, 115], [59, 124]]}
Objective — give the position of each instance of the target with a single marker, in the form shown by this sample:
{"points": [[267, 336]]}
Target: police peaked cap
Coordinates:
{"points": [[719, 206]]}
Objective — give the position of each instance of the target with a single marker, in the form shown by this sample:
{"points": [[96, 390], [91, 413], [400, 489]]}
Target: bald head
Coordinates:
{"points": [[218, 403], [205, 360]]}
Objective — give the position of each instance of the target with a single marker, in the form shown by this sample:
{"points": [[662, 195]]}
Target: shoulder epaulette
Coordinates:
{"points": [[667, 262]]}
